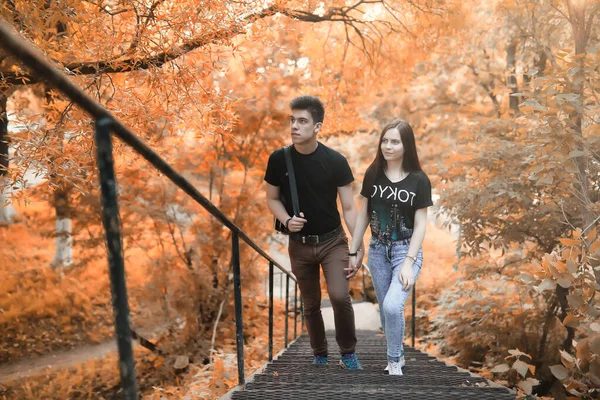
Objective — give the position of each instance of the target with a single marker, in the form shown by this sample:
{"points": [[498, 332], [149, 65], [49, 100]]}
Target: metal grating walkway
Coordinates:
{"points": [[292, 376]]}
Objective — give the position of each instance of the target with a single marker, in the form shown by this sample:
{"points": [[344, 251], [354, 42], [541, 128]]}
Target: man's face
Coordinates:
{"points": [[302, 127]]}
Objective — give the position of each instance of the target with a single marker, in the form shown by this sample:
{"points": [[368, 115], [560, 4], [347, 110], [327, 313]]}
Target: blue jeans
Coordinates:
{"points": [[385, 262]]}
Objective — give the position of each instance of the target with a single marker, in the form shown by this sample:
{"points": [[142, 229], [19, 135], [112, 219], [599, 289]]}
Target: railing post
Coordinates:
{"points": [[270, 311], [295, 310], [287, 307], [118, 287], [237, 288], [301, 313], [364, 285], [414, 308]]}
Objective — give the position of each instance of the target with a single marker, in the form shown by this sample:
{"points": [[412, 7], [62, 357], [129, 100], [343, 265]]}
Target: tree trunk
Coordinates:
{"points": [[541, 63], [511, 52], [6, 209], [550, 314], [63, 256], [580, 35], [577, 18]]}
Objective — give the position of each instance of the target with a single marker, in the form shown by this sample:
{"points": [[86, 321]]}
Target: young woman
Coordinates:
{"points": [[394, 196]]}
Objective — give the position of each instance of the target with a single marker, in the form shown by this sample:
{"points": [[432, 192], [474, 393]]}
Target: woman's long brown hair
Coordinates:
{"points": [[410, 160]]}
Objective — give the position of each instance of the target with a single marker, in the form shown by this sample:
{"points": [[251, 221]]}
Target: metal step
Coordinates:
{"points": [[392, 393], [307, 358], [334, 368], [366, 363], [452, 378], [292, 376], [390, 386]]}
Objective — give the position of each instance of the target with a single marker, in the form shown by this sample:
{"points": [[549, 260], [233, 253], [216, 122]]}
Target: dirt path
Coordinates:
{"points": [[58, 360], [67, 358]]}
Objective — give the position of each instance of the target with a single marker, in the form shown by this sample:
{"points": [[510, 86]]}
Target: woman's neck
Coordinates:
{"points": [[395, 172], [394, 167]]}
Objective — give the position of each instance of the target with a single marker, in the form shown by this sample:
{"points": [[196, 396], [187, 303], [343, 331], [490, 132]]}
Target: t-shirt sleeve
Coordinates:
{"points": [[271, 175], [344, 172], [367, 188], [423, 198]]}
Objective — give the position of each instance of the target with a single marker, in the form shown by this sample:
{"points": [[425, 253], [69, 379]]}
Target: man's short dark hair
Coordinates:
{"points": [[311, 104]]}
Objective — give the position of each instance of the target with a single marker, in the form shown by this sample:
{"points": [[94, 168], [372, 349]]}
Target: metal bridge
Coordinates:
{"points": [[292, 376]]}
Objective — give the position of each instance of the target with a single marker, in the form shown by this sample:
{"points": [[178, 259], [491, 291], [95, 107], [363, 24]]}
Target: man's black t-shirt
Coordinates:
{"points": [[318, 176], [393, 204]]}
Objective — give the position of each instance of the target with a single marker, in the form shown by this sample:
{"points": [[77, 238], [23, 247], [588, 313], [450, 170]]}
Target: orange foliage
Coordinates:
{"points": [[41, 310], [209, 89]]}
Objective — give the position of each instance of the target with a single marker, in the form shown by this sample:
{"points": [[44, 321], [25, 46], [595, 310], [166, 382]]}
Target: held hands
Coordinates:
{"points": [[406, 276], [295, 224], [354, 263]]}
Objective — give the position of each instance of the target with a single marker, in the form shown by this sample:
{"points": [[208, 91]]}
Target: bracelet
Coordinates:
{"points": [[355, 253], [412, 258], [287, 222]]}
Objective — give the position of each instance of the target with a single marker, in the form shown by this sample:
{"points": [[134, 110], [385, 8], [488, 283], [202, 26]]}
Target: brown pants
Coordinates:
{"points": [[332, 255]]}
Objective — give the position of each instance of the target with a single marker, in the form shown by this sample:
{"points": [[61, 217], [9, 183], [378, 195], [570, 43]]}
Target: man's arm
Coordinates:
{"points": [[278, 209], [361, 225], [350, 214], [274, 203], [348, 206]]}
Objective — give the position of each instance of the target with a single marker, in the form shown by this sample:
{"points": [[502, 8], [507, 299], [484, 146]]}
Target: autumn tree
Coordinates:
{"points": [[521, 173], [151, 37], [209, 91]]}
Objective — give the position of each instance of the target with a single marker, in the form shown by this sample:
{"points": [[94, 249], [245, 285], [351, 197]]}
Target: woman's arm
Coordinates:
{"points": [[406, 275], [416, 241]]}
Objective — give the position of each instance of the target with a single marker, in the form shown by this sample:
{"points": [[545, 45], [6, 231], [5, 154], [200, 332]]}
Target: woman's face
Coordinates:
{"points": [[391, 145]]}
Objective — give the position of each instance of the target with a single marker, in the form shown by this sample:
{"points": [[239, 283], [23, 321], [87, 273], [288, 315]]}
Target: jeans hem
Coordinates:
{"points": [[395, 358]]}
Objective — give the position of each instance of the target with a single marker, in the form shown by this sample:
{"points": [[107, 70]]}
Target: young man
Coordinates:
{"points": [[317, 238]]}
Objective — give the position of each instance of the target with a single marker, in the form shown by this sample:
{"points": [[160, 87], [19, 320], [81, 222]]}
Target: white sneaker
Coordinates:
{"points": [[395, 368], [402, 363]]}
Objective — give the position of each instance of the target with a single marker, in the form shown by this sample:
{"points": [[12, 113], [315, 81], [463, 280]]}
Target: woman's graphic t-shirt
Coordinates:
{"points": [[393, 204]]}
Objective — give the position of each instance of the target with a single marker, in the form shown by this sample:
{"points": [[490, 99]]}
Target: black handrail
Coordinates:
{"points": [[106, 123]]}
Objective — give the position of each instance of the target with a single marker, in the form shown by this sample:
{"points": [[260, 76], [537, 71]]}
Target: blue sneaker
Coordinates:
{"points": [[350, 361], [320, 360]]}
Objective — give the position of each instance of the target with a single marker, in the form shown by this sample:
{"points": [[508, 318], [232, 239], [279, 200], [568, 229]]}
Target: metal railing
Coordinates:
{"points": [[105, 124]]}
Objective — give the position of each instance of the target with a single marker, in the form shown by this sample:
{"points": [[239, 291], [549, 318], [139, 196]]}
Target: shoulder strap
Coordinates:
{"points": [[292, 176]]}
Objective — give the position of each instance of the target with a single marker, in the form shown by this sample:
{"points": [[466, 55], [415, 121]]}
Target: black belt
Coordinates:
{"points": [[315, 239]]}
